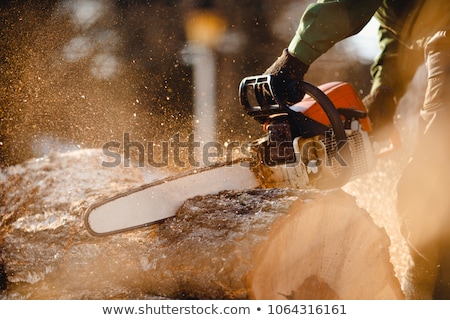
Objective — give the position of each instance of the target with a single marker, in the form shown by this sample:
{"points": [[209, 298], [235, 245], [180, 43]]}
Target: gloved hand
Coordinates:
{"points": [[381, 105], [288, 71]]}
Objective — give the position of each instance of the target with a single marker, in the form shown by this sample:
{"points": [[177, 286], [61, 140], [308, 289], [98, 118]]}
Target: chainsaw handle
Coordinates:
{"points": [[328, 107], [269, 103], [264, 95]]}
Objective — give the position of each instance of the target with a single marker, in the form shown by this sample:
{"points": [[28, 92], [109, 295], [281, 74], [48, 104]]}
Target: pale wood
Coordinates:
{"points": [[325, 249]]}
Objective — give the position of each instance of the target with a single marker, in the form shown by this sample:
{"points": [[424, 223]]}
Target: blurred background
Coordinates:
{"points": [[79, 73]]}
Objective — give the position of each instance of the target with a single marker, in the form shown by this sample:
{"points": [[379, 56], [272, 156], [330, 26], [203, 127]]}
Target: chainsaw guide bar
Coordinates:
{"points": [[161, 199]]}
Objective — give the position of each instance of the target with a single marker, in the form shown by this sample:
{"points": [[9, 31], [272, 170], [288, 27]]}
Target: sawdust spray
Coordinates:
{"points": [[73, 77]]}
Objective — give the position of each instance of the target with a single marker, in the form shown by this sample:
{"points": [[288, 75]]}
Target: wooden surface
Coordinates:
{"points": [[325, 249], [257, 244]]}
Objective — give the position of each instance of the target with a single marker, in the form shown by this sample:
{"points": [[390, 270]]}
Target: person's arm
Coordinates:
{"points": [[326, 22], [391, 73], [322, 25], [396, 64]]}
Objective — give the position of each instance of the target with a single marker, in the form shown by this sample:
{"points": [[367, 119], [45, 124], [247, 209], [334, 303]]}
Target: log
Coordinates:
{"points": [[253, 244], [327, 248]]}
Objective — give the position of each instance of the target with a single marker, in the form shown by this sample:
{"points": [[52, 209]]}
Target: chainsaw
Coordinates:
{"points": [[320, 142]]}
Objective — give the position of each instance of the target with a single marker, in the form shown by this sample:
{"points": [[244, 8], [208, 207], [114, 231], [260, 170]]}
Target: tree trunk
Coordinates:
{"points": [[259, 244]]}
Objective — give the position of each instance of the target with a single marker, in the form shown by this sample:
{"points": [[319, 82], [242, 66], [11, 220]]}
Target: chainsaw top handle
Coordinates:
{"points": [[268, 104]]}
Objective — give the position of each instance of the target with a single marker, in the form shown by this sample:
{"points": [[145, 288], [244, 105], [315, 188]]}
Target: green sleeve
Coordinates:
{"points": [[396, 64], [327, 22]]}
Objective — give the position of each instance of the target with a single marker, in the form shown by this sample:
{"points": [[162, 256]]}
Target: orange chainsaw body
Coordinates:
{"points": [[343, 96]]}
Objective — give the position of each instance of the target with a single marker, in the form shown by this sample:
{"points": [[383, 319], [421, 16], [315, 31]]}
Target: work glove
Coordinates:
{"points": [[381, 105], [288, 71]]}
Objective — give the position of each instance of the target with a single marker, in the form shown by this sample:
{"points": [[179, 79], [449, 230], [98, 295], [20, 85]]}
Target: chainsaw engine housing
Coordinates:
{"points": [[301, 147]]}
